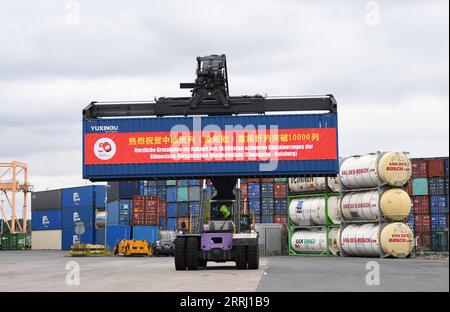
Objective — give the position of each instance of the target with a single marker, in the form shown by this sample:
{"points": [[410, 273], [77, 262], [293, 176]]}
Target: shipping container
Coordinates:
{"points": [[171, 182], [162, 193], [267, 207], [172, 210], [100, 196], [421, 204], [280, 206], [122, 190], [46, 200], [423, 240], [439, 241], [267, 219], [172, 224], [183, 183], [410, 220], [420, 186], [254, 205], [162, 209], [100, 236], [267, 190], [171, 194], [254, 190], [69, 238], [182, 194], [436, 168], [280, 219], [46, 240], [244, 190], [194, 193], [419, 168], [83, 196], [46, 220], [161, 183], [162, 223], [436, 186], [182, 209], [147, 233], [116, 233], [446, 167], [280, 190], [294, 130], [145, 210], [194, 182], [119, 212], [422, 223], [439, 204], [439, 222], [74, 215], [194, 208]]}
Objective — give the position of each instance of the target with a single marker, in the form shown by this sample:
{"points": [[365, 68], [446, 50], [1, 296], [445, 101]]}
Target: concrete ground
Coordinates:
{"points": [[46, 271]]}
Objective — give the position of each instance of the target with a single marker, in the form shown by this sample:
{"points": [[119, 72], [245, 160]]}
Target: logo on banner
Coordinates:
{"points": [[104, 148]]}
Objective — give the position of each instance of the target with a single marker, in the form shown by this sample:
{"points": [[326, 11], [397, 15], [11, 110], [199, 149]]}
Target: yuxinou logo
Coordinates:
{"points": [[104, 148]]}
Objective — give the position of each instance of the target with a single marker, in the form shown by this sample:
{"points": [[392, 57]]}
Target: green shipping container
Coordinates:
{"points": [[280, 179], [171, 182], [14, 241], [182, 194], [420, 187]]}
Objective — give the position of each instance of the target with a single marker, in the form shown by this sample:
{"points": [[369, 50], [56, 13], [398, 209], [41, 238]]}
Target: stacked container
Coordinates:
{"points": [[80, 205], [46, 217], [313, 216], [374, 205], [429, 188]]}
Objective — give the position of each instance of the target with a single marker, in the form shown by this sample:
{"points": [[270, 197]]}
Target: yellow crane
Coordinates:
{"points": [[13, 180]]}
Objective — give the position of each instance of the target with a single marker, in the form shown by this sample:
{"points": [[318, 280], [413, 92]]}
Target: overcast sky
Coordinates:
{"points": [[388, 71]]}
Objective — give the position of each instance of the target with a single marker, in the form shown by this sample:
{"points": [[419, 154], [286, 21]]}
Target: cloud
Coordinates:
{"points": [[390, 81]]}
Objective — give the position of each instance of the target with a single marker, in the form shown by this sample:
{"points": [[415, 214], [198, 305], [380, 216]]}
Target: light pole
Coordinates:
{"points": [[106, 217]]}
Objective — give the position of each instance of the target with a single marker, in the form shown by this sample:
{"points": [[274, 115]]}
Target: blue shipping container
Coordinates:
{"points": [[71, 216], [69, 238], [140, 165], [446, 167], [162, 223], [83, 196], [194, 208], [46, 220], [100, 236], [439, 222], [100, 196], [438, 204], [119, 212], [254, 190], [171, 194], [267, 219], [267, 206], [115, 233], [194, 182], [183, 183], [172, 210], [420, 186], [267, 189], [254, 205], [280, 206], [148, 233], [172, 224], [182, 209]]}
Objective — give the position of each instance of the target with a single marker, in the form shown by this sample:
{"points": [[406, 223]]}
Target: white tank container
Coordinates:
{"points": [[311, 210], [365, 240], [395, 205], [393, 168], [303, 185], [305, 241]]}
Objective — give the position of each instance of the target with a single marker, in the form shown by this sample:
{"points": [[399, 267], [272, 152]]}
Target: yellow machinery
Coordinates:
{"points": [[133, 248], [88, 250]]}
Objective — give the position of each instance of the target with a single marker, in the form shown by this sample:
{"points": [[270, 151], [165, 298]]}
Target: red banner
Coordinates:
{"points": [[210, 146]]}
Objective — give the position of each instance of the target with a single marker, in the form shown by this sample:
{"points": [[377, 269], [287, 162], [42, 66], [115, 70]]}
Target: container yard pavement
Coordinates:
{"points": [[46, 271]]}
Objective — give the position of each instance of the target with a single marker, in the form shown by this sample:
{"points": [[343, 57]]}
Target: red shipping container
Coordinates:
{"points": [[419, 168], [423, 240], [422, 223], [162, 209], [280, 219], [421, 205], [151, 210], [267, 180], [280, 190], [409, 188], [436, 168], [245, 207], [254, 180], [244, 190], [138, 215]]}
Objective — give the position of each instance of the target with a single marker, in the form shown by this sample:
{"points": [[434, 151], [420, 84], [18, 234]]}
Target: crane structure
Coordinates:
{"points": [[14, 180]]}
